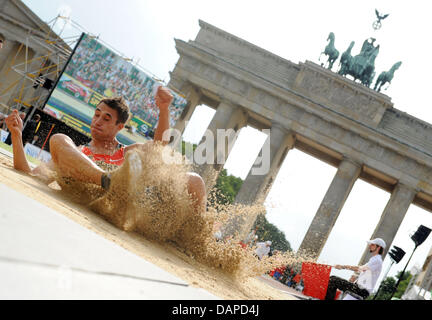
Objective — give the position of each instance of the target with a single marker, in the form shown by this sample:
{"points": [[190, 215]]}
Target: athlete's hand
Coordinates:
{"points": [[14, 123], [163, 98]]}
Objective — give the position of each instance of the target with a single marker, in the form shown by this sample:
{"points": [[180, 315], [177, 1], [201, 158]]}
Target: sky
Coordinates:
{"points": [[297, 31]]}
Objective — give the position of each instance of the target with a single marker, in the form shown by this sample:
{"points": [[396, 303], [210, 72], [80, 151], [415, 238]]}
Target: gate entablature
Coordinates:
{"points": [[345, 97]]}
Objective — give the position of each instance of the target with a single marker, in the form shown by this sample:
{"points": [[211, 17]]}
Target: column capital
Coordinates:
{"points": [[226, 102], [406, 190], [406, 186], [190, 88], [349, 159], [277, 124]]}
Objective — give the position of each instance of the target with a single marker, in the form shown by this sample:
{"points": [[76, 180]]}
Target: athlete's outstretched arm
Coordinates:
{"points": [[15, 126], [163, 100]]}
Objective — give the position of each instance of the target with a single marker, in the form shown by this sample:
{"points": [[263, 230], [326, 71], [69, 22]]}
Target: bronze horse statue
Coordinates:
{"points": [[330, 51], [362, 66], [346, 60], [386, 76]]}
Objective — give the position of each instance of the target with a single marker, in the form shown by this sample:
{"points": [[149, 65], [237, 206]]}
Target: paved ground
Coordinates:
{"points": [[44, 255]]}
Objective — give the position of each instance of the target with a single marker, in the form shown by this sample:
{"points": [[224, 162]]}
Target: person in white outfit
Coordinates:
{"points": [[363, 284], [263, 249]]}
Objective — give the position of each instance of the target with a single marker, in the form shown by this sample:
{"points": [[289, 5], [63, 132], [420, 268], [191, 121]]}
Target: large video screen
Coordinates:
{"points": [[94, 72]]}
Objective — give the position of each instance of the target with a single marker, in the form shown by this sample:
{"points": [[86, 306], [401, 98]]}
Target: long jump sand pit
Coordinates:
{"points": [[166, 255]]}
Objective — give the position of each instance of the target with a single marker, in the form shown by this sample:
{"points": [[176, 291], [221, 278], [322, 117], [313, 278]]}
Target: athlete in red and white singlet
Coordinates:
{"points": [[116, 158]]}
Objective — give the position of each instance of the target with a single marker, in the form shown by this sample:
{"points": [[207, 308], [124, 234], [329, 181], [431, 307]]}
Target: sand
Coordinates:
{"points": [[167, 255]]}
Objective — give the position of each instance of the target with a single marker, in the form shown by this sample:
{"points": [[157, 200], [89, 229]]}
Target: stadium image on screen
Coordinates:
{"points": [[95, 72]]}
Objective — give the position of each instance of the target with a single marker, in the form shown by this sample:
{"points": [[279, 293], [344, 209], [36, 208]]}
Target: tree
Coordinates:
{"points": [[388, 284], [227, 187], [184, 144], [403, 284], [268, 231], [386, 289]]}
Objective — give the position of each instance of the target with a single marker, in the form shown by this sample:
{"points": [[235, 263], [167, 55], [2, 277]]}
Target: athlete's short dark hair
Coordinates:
{"points": [[118, 104]]}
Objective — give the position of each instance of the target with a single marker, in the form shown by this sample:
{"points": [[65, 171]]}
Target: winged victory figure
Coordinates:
{"points": [[380, 17], [377, 24]]}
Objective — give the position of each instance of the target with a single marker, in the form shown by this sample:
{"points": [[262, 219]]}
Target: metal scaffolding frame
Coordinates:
{"points": [[35, 71]]}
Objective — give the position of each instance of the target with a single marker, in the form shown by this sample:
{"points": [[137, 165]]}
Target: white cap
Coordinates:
{"points": [[268, 242], [378, 241]]}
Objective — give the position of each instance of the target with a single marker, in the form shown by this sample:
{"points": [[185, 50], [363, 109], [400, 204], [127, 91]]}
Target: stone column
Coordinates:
{"points": [[218, 140], [391, 218], [193, 97], [256, 186], [330, 207], [260, 178]]}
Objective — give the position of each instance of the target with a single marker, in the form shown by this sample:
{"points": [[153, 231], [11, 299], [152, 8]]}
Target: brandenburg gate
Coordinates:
{"points": [[305, 106]]}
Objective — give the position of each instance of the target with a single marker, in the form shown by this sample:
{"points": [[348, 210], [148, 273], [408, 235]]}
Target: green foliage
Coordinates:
{"points": [[386, 289], [403, 284], [268, 231], [388, 284], [184, 143], [227, 187]]}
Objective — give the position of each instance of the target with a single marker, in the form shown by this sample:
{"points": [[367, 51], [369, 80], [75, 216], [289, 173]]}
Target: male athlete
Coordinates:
{"points": [[81, 163]]}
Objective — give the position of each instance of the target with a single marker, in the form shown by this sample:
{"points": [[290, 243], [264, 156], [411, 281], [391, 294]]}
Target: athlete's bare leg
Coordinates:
{"points": [[72, 162], [197, 190]]}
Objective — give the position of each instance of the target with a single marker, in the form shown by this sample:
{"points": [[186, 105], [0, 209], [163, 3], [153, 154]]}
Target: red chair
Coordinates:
{"points": [[315, 278]]}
